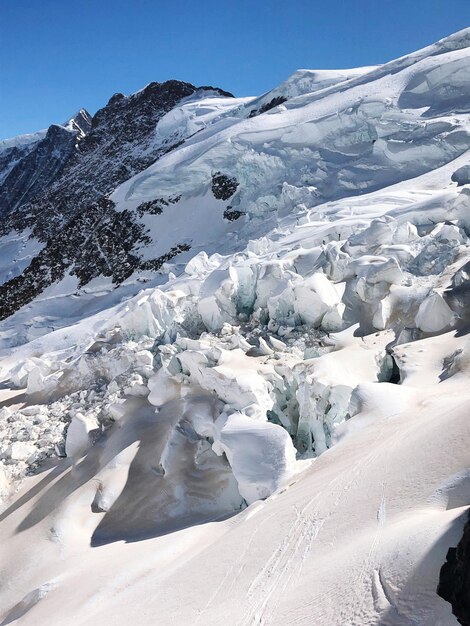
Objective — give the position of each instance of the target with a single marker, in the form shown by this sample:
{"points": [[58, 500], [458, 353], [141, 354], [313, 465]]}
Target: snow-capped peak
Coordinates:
{"points": [[80, 122]]}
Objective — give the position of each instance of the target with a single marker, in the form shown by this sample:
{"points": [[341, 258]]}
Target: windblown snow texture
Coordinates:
{"points": [[234, 354]]}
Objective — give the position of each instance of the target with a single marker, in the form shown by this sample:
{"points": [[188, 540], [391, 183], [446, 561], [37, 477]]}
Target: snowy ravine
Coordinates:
{"points": [[236, 389]]}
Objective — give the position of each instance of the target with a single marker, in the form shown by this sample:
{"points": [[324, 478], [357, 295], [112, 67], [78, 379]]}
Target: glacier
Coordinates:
{"points": [[265, 421]]}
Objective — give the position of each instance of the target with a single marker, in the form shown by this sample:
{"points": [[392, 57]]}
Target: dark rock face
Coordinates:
{"points": [[57, 187], [120, 144], [223, 186], [97, 241], [219, 91], [156, 206], [231, 214], [37, 166], [10, 157], [155, 264], [268, 106], [80, 122], [454, 579]]}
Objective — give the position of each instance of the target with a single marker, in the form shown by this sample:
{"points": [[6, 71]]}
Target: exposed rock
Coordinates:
{"points": [[268, 106], [219, 91], [155, 207], [97, 241], [57, 187], [119, 145], [223, 186], [36, 168], [454, 579], [232, 214], [156, 264]]}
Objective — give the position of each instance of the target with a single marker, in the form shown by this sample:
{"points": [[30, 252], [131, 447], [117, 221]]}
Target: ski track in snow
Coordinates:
{"points": [[285, 565]]}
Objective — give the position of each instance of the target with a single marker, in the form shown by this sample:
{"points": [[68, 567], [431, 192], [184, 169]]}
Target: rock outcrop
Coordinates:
{"points": [[454, 580]]}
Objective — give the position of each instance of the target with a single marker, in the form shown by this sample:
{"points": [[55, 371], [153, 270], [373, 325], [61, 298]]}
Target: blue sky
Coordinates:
{"points": [[57, 56]]}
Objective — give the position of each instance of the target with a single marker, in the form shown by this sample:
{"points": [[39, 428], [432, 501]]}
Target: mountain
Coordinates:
{"points": [[234, 354], [29, 168], [56, 193]]}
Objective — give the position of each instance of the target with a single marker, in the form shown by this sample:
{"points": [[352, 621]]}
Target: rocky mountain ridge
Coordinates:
{"points": [[57, 187], [28, 170]]}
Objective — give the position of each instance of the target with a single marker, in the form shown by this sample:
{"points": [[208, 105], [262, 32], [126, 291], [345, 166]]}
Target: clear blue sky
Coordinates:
{"points": [[57, 56]]}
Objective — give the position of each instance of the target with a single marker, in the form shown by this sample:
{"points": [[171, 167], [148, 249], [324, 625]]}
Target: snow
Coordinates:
{"points": [[18, 249], [274, 429], [22, 140]]}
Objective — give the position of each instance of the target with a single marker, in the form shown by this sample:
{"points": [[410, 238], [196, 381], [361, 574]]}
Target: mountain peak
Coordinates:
{"points": [[80, 122]]}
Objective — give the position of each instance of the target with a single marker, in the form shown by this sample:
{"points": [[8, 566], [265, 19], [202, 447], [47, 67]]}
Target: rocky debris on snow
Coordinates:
{"points": [[268, 106], [232, 214], [69, 173], [156, 206], [223, 186], [155, 264], [98, 241]]}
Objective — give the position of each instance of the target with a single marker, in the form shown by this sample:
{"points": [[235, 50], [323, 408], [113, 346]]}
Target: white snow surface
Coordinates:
{"points": [[275, 429], [22, 140]]}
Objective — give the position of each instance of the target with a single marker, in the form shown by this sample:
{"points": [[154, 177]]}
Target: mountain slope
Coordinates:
{"points": [[243, 371], [349, 138], [30, 165], [74, 177]]}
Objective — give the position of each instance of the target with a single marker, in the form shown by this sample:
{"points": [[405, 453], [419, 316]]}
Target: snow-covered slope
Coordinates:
{"points": [[22, 140], [303, 82], [251, 359]]}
